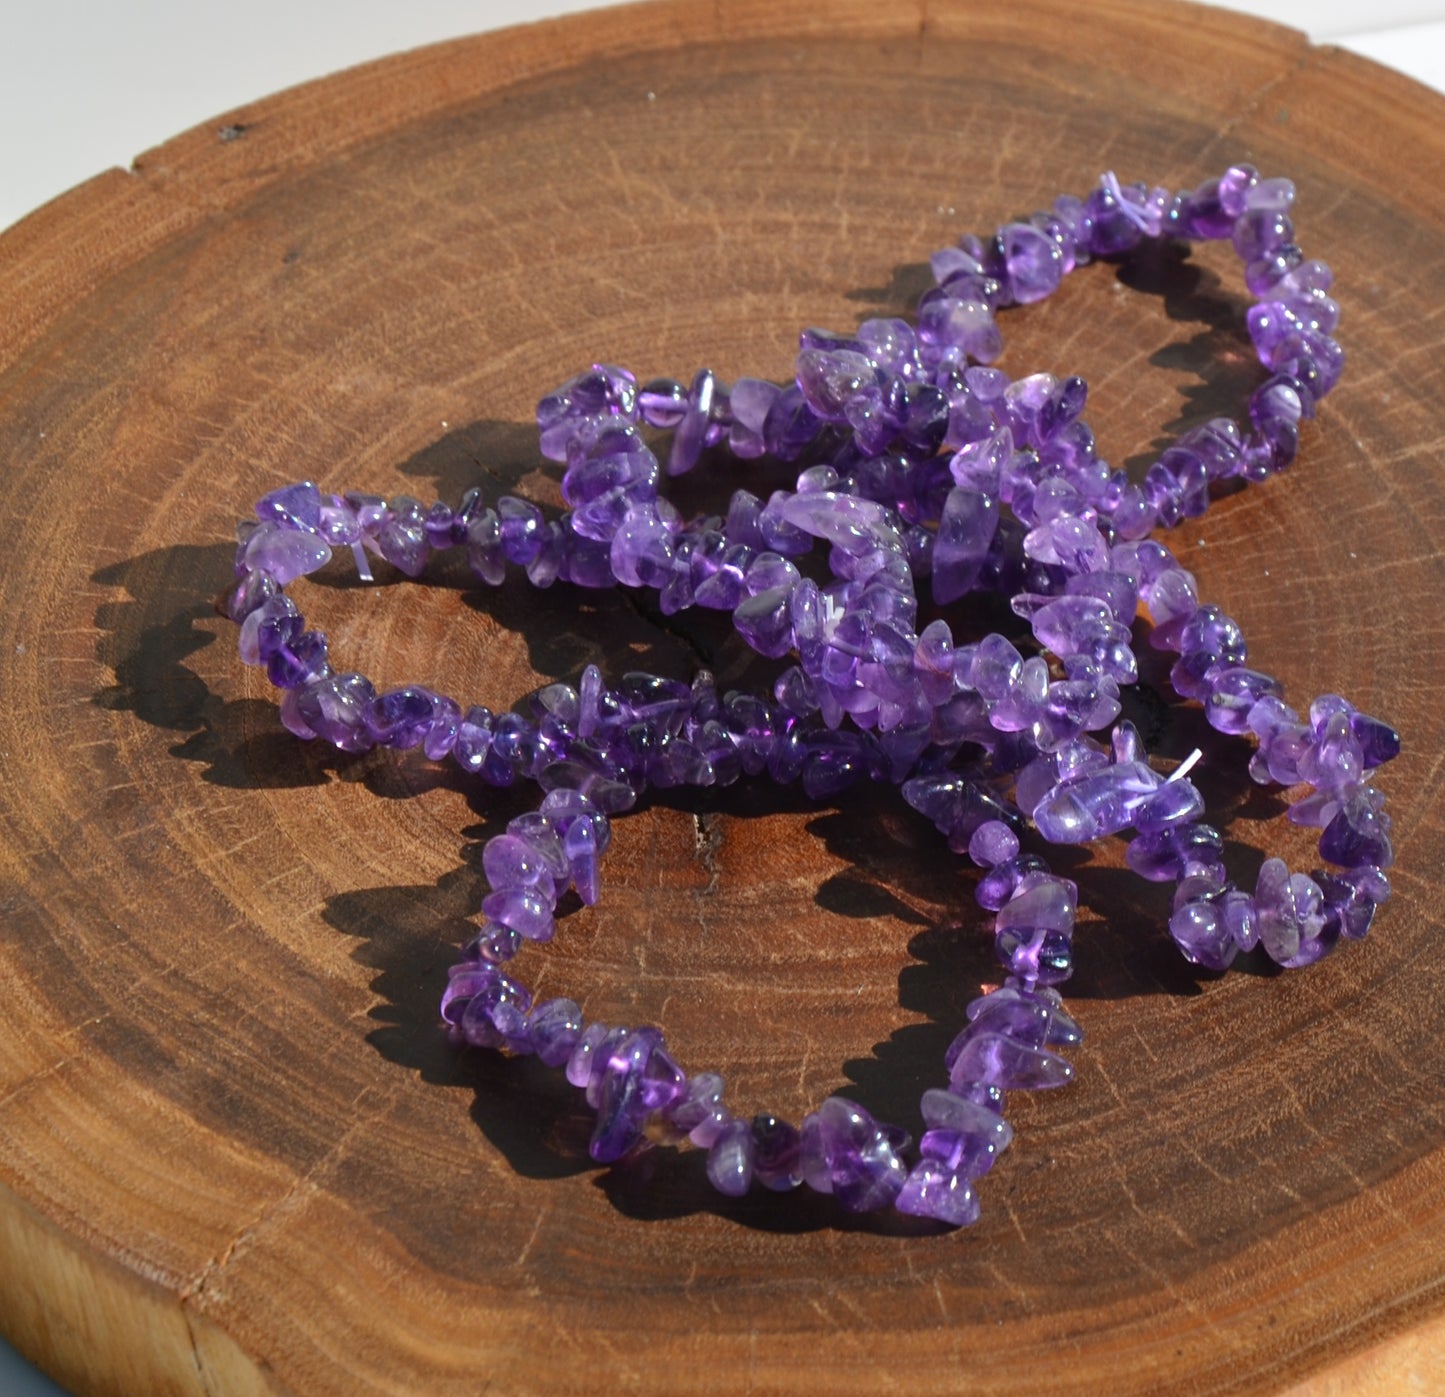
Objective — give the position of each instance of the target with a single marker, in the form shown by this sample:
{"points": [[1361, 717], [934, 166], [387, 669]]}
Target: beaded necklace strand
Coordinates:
{"points": [[920, 461]]}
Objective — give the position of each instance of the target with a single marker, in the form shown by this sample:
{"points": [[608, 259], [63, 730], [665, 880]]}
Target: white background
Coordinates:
{"points": [[89, 84]]}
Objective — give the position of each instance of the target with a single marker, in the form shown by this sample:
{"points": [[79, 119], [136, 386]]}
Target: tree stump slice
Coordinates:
{"points": [[236, 1154]]}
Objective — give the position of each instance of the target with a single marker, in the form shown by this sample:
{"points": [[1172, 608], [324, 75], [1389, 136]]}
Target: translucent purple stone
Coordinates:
{"points": [[284, 554], [402, 718], [981, 1134], [1357, 836], [1033, 930], [965, 533], [1203, 934], [1033, 262], [637, 1078], [554, 1027], [933, 1190], [1176, 802], [251, 592], [993, 842], [299, 661], [294, 506], [731, 1159], [844, 1152], [495, 1011], [699, 1112], [1007, 1064], [691, 434], [334, 709], [764, 622], [998, 884], [528, 911], [1351, 898], [1161, 856], [1233, 693], [402, 538], [1100, 804], [777, 1157], [958, 329]]}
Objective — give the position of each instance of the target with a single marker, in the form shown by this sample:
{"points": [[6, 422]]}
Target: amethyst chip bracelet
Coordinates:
{"points": [[917, 463]]}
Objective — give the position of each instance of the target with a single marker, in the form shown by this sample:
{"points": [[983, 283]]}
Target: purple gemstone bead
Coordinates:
{"points": [[579, 844], [1350, 899], [790, 426], [1357, 837], [541, 832], [1379, 743], [494, 944], [1209, 631], [1097, 805], [554, 1027], [1059, 1027], [751, 400], [528, 911], [403, 717], [764, 622], [1259, 231], [993, 842], [1204, 935], [730, 1160], [1282, 931], [484, 548], [1002, 1062], [1204, 216], [953, 328], [497, 1009], [335, 710], [1176, 802], [293, 506], [1112, 226], [520, 529], [611, 1040], [580, 1064], [932, 1190], [1033, 929], [1240, 918], [993, 666], [845, 1153], [1234, 693], [998, 884], [284, 553], [402, 538], [440, 522], [1033, 260], [1160, 856], [1019, 1017], [463, 982], [777, 1161], [638, 1078], [474, 739], [971, 1122], [965, 533], [516, 742], [299, 661], [699, 1112], [691, 433], [662, 403], [251, 592]]}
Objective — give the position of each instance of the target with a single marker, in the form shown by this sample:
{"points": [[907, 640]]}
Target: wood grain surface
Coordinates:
{"points": [[236, 1155]]}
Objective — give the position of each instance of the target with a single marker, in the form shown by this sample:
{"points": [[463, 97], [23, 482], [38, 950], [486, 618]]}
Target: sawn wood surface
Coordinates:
{"points": [[236, 1155]]}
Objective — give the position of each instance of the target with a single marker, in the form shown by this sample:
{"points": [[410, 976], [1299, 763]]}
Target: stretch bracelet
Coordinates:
{"points": [[917, 461]]}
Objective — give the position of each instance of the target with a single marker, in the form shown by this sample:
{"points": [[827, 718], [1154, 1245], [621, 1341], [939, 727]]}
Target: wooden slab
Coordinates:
{"points": [[235, 1154]]}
